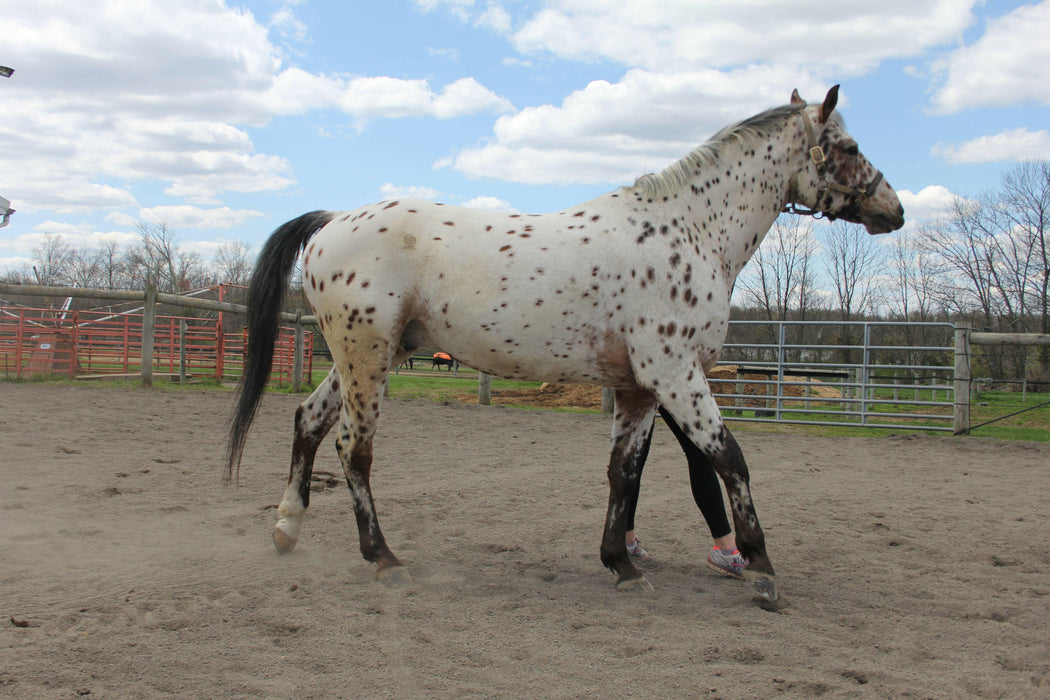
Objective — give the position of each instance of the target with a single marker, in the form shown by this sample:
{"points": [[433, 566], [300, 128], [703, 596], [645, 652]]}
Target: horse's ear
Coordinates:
{"points": [[796, 99], [829, 104]]}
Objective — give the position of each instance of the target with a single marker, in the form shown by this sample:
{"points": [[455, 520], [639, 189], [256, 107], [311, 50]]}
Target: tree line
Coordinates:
{"points": [[156, 258], [986, 261]]}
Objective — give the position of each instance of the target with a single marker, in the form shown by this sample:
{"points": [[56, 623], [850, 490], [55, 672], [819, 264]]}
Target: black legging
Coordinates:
{"points": [[707, 491]]}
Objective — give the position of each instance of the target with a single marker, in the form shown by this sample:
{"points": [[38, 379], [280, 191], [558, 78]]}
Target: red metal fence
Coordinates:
{"points": [[92, 343]]}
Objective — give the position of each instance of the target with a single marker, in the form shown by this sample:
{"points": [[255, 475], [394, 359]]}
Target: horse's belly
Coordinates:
{"points": [[587, 359]]}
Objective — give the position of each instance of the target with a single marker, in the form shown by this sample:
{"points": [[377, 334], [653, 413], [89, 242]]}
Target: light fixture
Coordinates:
{"points": [[5, 212], [5, 206]]}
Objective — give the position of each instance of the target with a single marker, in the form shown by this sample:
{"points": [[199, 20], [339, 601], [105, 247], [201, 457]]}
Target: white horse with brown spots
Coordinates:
{"points": [[629, 290]]}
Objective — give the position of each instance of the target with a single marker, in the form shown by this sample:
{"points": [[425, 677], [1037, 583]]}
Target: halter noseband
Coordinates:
{"points": [[855, 195]]}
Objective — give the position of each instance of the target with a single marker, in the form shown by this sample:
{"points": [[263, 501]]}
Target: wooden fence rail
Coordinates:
{"points": [[140, 295], [965, 339], [150, 298]]}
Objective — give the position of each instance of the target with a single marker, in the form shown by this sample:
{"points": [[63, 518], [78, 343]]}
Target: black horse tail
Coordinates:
{"points": [[265, 294]]}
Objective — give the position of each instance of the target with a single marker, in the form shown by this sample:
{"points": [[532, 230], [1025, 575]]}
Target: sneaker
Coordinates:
{"points": [[636, 551], [725, 562]]}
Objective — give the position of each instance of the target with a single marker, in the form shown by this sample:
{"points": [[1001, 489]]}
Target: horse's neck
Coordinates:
{"points": [[748, 187]]}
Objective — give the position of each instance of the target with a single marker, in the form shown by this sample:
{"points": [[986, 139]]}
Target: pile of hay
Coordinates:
{"points": [[590, 397]]}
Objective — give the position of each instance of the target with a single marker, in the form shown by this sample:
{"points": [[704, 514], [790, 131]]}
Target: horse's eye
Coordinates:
{"points": [[852, 150]]}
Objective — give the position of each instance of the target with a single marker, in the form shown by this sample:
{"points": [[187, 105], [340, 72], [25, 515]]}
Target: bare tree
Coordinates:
{"points": [[852, 259], [112, 271], [19, 275], [913, 280], [984, 267], [965, 256], [233, 263], [84, 267], [158, 260], [51, 258], [1026, 204], [779, 278]]}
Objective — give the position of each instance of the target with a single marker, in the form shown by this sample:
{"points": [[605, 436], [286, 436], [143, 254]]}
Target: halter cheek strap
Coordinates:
{"points": [[855, 195]]}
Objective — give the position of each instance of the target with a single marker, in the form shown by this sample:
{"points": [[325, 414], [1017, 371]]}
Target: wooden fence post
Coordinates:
{"points": [[961, 412], [297, 358], [484, 389], [608, 399], [149, 322], [182, 351]]}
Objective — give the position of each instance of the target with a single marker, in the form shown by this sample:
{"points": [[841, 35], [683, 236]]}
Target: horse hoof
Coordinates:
{"points": [[283, 541], [764, 585], [640, 586], [394, 577]]}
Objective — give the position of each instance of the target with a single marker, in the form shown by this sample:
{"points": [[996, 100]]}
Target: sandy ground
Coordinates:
{"points": [[909, 566]]}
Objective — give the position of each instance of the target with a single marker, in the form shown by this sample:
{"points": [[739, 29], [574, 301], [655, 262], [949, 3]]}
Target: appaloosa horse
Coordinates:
{"points": [[629, 290]]}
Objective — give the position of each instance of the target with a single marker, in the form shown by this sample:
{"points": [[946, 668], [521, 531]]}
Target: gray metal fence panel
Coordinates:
{"points": [[870, 374]]}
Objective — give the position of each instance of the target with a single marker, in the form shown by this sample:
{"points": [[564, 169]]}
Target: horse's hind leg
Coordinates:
{"points": [[631, 429], [362, 394], [313, 419]]}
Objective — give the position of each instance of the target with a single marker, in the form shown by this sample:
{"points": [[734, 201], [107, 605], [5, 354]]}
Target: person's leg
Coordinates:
{"points": [[707, 491]]}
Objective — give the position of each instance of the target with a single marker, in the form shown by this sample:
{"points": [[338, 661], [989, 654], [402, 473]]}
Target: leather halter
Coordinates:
{"points": [[855, 195]]}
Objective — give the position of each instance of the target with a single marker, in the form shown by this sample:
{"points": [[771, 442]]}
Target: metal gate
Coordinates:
{"points": [[871, 374]]}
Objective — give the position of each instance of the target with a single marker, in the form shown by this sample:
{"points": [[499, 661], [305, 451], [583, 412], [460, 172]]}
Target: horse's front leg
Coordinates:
{"points": [[313, 420], [699, 422], [730, 465], [630, 441]]}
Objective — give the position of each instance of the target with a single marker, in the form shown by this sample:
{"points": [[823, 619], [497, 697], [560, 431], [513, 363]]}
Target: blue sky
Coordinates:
{"points": [[225, 119]]}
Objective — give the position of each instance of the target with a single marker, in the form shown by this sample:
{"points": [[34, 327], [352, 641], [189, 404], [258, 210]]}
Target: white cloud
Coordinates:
{"points": [[495, 18], [614, 132], [452, 54], [185, 216], [1013, 144], [73, 235], [287, 24], [111, 95], [848, 39], [40, 188], [205, 249], [15, 262], [121, 218], [467, 96], [1008, 65], [459, 8], [392, 191], [928, 203], [489, 203], [393, 98]]}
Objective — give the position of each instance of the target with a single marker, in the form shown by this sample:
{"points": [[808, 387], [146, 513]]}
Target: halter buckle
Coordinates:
{"points": [[816, 154]]}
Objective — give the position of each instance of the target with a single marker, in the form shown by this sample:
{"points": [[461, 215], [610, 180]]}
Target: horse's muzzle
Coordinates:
{"points": [[883, 222]]}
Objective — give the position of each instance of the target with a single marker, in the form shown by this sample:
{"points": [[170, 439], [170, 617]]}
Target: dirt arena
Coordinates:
{"points": [[909, 566]]}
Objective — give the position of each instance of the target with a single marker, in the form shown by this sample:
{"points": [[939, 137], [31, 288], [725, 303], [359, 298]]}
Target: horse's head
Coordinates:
{"points": [[838, 181]]}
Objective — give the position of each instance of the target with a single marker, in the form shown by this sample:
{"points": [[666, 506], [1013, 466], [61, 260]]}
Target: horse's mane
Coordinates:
{"points": [[677, 175]]}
